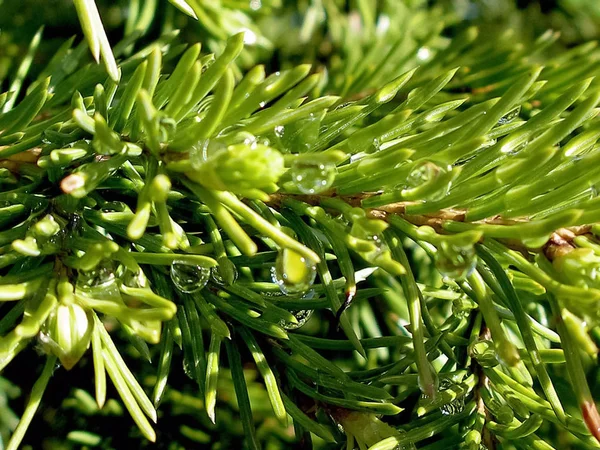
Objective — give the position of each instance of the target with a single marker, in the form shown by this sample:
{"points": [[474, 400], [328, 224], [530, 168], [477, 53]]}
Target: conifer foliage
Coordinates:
{"points": [[317, 224]]}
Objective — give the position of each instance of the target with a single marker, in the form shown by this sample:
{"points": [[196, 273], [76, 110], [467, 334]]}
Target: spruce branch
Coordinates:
{"points": [[433, 196]]}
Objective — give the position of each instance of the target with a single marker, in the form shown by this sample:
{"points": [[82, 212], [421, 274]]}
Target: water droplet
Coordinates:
{"points": [[311, 177], [422, 173], [262, 104], [279, 131], [134, 279], [302, 316], [510, 116], [343, 105], [456, 262], [383, 23], [204, 150], [217, 278], [405, 445], [292, 272], [187, 277], [513, 150], [425, 173], [250, 37], [101, 276], [423, 54], [255, 5], [263, 141], [272, 293], [376, 145], [188, 369], [379, 249], [456, 406], [461, 307], [109, 207], [298, 136], [45, 138]]}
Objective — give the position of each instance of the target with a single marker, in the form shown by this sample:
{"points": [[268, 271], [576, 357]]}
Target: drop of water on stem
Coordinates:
{"points": [[292, 272], [510, 116], [302, 316], [405, 445], [279, 131], [456, 406], [422, 173], [134, 279], [456, 262], [102, 275], [217, 278], [312, 178], [204, 150], [187, 277], [188, 369], [427, 172]]}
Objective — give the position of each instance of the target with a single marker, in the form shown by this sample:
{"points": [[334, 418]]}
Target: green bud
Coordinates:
{"points": [[46, 227], [240, 168], [67, 333], [580, 267]]}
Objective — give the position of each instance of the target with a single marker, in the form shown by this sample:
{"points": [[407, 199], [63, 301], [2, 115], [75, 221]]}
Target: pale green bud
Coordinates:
{"points": [[67, 333], [239, 168]]}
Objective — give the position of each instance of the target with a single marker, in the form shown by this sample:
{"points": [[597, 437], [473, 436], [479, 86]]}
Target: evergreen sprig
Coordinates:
{"points": [[395, 248]]}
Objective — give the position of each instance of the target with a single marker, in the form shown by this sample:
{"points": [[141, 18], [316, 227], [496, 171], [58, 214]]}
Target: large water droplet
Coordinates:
{"points": [[298, 136], [187, 277], [301, 316], [455, 406], [427, 172], [134, 279], [215, 273], [422, 173], [255, 5], [456, 262], [311, 177], [510, 116], [203, 150], [292, 272], [101, 276]]}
